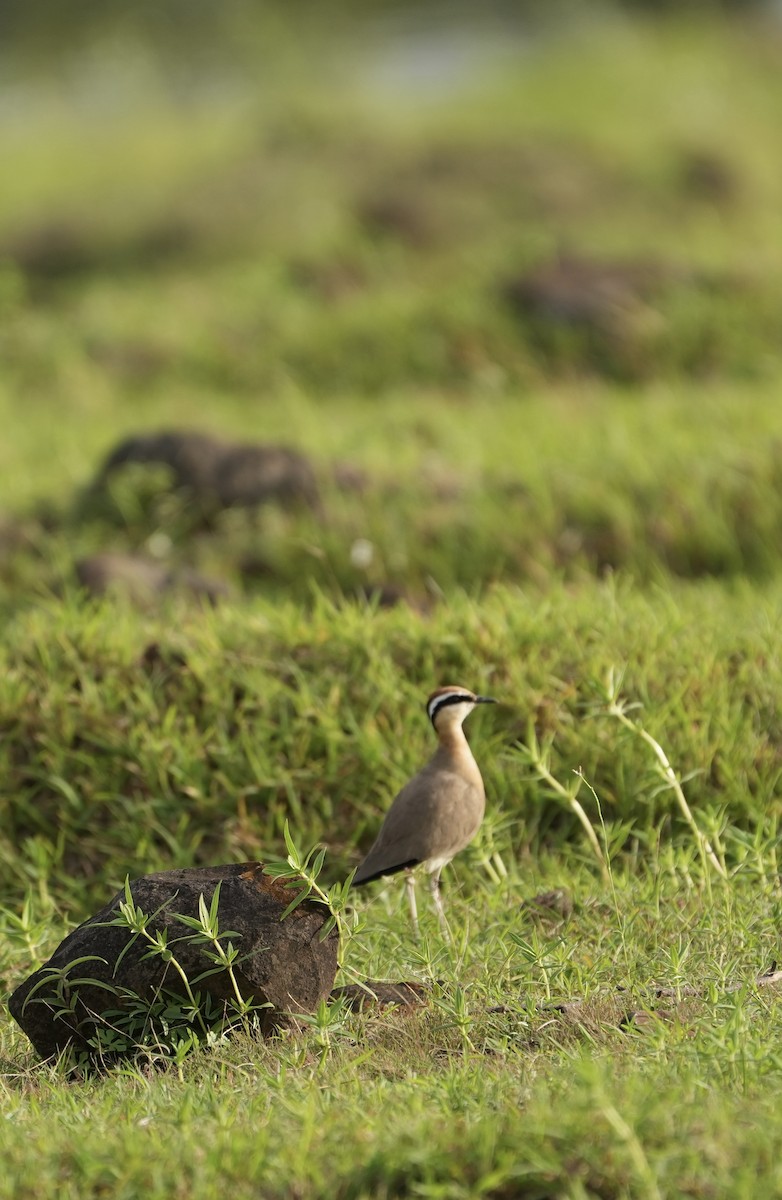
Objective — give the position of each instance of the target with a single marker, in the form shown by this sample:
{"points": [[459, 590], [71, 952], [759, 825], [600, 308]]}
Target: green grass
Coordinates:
{"points": [[465, 1098], [246, 718], [317, 716], [306, 262], [486, 491]]}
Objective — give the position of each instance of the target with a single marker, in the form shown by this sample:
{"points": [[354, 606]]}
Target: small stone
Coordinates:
{"points": [[378, 993], [557, 903], [220, 474], [143, 580], [644, 1018]]}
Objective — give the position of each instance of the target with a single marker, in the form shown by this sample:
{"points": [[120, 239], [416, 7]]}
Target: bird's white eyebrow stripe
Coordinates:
{"points": [[449, 698]]}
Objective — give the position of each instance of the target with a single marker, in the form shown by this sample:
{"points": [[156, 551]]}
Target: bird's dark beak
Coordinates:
{"points": [[486, 700]]}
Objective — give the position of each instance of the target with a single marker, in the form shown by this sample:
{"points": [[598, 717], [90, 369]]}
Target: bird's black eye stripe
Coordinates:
{"points": [[442, 701]]}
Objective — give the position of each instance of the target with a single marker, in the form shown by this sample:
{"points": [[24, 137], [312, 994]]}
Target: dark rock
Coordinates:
{"points": [[709, 177], [332, 280], [400, 215], [378, 993], [143, 579], [15, 535], [51, 250], [185, 579], [596, 294], [139, 578], [646, 1018], [248, 475], [191, 457], [221, 474], [61, 249], [557, 903], [603, 316], [351, 478], [283, 964], [162, 660], [255, 568]]}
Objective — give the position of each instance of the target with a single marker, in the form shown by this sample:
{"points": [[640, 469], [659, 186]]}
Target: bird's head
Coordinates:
{"points": [[450, 705]]}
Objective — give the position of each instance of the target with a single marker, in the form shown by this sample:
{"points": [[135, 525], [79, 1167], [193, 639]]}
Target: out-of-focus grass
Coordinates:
{"points": [[577, 481], [336, 274]]}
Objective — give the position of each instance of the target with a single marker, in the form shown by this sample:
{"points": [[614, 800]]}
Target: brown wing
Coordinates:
{"points": [[434, 816]]}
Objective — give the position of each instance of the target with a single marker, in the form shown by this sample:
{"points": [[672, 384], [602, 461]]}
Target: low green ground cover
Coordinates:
{"points": [[132, 742], [494, 1089]]}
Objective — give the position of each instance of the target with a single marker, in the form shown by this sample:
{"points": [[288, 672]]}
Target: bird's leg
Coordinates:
{"points": [[434, 884], [410, 885]]}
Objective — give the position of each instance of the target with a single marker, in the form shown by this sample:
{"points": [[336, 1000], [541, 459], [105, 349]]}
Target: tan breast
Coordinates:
{"points": [[433, 817]]}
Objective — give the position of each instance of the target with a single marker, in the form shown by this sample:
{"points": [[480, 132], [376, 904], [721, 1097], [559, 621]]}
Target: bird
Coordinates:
{"points": [[439, 811]]}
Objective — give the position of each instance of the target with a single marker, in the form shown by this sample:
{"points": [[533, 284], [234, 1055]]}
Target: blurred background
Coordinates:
{"points": [[501, 280]]}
